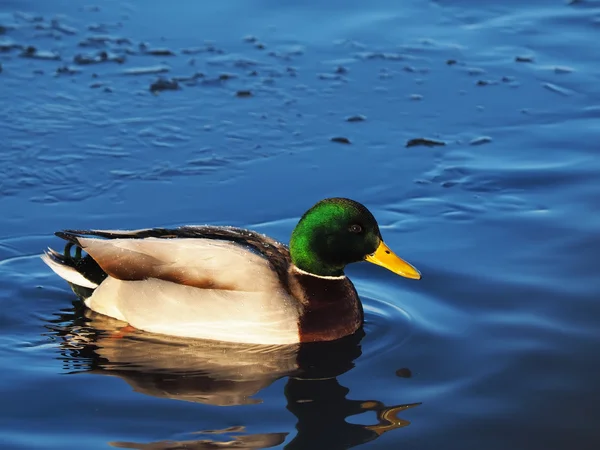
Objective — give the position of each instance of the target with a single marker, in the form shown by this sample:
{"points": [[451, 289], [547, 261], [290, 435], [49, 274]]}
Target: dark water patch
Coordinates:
{"points": [[356, 118], [158, 51], [404, 372], [164, 84], [340, 140], [425, 142], [524, 59]]}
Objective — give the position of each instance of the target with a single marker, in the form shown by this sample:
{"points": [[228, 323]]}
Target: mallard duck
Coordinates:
{"points": [[231, 284]]}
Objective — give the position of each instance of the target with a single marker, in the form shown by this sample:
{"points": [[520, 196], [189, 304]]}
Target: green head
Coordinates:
{"points": [[338, 231]]}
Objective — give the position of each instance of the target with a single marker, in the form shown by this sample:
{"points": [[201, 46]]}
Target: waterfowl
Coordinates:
{"points": [[231, 284]]}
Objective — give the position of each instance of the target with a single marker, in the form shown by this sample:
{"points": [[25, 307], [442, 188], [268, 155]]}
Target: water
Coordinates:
{"points": [[496, 347]]}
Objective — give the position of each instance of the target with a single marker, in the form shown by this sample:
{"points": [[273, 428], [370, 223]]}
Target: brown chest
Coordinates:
{"points": [[330, 308]]}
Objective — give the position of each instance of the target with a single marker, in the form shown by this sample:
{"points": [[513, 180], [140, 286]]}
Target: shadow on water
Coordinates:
{"points": [[226, 374]]}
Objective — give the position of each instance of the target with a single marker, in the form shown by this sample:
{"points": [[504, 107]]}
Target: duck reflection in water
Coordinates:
{"points": [[225, 374]]}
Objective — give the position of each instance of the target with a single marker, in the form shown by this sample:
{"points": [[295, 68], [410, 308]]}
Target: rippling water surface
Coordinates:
{"points": [[470, 129]]}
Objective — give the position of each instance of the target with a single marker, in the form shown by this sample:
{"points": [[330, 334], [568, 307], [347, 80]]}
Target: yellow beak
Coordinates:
{"points": [[384, 257]]}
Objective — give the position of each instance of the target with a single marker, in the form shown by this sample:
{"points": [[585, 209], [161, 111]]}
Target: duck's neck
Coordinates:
{"points": [[326, 277], [305, 257]]}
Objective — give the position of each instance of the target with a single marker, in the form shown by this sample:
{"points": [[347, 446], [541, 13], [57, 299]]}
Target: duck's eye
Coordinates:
{"points": [[355, 229]]}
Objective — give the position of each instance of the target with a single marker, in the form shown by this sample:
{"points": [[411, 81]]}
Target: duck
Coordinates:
{"points": [[231, 284]]}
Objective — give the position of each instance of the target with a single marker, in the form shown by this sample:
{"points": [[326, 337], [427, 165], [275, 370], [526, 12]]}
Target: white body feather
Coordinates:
{"points": [[244, 302]]}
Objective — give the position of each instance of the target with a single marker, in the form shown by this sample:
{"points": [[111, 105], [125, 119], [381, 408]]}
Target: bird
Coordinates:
{"points": [[231, 284]]}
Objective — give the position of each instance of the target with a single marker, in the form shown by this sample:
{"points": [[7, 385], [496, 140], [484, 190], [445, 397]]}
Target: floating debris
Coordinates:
{"points": [[356, 118], [250, 39], [102, 40], [218, 81], [562, 70], [424, 142], [56, 25], [243, 94], [97, 27], [286, 52], [67, 70], [404, 372], [481, 140], [100, 57], [260, 46], [233, 60], [208, 48], [245, 63], [475, 71], [341, 140], [557, 89], [329, 76], [28, 17], [189, 80], [34, 53], [416, 97], [7, 46], [157, 51], [451, 62], [149, 70], [164, 84], [381, 55], [192, 51], [524, 59]]}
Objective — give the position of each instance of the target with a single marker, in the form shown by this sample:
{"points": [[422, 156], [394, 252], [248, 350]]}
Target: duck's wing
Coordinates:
{"points": [[207, 257], [207, 282]]}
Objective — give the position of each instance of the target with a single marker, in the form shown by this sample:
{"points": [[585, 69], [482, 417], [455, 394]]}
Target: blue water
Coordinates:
{"points": [[497, 347]]}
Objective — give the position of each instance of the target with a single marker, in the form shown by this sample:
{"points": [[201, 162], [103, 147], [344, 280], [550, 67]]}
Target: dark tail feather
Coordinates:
{"points": [[74, 264]]}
